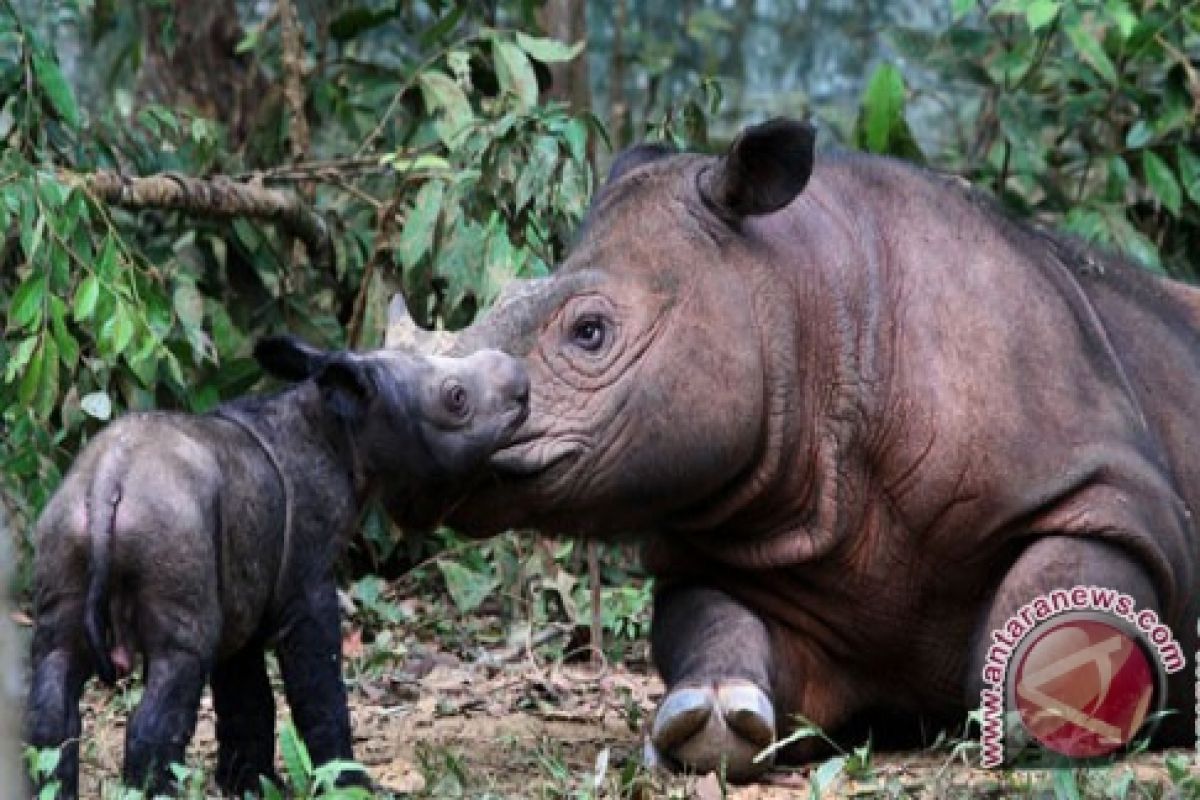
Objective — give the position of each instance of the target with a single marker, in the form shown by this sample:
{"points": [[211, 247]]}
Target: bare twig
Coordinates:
{"points": [[520, 650], [386, 224], [292, 36], [316, 170], [593, 558], [216, 197]]}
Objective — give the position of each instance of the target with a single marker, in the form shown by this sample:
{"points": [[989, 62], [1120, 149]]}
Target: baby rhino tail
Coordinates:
{"points": [[104, 496]]}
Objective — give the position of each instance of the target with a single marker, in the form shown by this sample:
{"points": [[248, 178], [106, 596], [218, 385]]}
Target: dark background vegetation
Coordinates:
{"points": [[453, 146]]}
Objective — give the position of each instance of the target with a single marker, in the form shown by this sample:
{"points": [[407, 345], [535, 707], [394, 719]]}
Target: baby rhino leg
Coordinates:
{"points": [[245, 709], [715, 657]]}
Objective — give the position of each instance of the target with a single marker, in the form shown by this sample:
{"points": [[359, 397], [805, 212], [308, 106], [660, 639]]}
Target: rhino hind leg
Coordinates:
{"points": [[245, 708], [163, 724], [1062, 562], [52, 716], [714, 655]]}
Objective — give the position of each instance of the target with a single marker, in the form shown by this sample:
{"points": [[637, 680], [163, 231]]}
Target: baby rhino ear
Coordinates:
{"points": [[344, 378], [766, 167], [347, 387], [289, 358]]}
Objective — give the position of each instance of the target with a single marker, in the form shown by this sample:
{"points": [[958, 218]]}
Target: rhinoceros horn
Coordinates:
{"points": [[403, 333]]}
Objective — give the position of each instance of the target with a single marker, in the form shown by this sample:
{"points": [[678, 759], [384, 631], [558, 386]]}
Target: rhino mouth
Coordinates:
{"points": [[533, 456]]}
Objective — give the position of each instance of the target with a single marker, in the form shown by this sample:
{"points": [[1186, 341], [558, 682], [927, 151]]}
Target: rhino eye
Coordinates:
{"points": [[588, 333], [454, 398]]}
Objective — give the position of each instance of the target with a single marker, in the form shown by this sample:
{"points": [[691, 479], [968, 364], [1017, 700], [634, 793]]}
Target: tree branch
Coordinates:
{"points": [[216, 197], [291, 35]]}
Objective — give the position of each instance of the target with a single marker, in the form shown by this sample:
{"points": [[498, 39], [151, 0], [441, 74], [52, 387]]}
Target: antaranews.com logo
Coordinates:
{"points": [[1076, 673]]}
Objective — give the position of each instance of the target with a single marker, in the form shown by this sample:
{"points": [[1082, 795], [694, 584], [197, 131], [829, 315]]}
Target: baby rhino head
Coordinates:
{"points": [[412, 420]]}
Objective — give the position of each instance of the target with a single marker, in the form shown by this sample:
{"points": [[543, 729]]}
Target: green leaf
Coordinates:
{"points": [[422, 163], [189, 305], [21, 356], [32, 378], [548, 51], [534, 179], [515, 73], [25, 309], [883, 107], [269, 790], [960, 8], [827, 773], [1139, 135], [695, 126], [31, 236], [1066, 787], [360, 19], [434, 33], [1122, 17], [51, 79], [86, 295], [97, 404], [1161, 181], [458, 260], [47, 390], [67, 344], [575, 133], [1040, 13], [443, 94], [117, 330], [108, 260], [295, 759], [500, 264], [1092, 51], [1189, 172], [468, 588], [417, 236]]}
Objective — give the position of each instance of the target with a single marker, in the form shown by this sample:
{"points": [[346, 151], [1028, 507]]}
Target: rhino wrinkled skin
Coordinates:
{"points": [[858, 417], [199, 541]]}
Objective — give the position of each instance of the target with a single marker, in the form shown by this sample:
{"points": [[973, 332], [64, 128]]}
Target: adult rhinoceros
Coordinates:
{"points": [[859, 417]]}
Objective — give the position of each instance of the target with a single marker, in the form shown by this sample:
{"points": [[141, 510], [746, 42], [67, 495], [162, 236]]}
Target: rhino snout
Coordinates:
{"points": [[508, 383]]}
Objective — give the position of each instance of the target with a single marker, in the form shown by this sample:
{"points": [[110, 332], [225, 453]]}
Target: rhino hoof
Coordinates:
{"points": [[699, 727]]}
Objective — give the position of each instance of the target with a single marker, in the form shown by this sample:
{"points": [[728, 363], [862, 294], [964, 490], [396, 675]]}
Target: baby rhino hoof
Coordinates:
{"points": [[701, 727]]}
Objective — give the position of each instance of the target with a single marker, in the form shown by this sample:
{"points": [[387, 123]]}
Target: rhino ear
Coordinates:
{"points": [[766, 167], [634, 157], [289, 358]]}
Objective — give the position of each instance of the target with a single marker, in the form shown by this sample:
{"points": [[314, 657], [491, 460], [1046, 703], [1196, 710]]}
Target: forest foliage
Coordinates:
{"points": [[428, 136]]}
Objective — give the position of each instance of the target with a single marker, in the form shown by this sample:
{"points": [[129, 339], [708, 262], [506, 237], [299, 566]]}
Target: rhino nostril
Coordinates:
{"points": [[521, 393]]}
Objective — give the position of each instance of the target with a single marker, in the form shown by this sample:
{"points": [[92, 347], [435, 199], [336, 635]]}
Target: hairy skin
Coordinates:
{"points": [[168, 539], [858, 416]]}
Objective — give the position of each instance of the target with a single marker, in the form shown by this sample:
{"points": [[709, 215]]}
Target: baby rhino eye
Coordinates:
{"points": [[588, 333], [454, 398]]}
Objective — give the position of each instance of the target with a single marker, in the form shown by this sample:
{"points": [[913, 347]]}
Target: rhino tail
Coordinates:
{"points": [[102, 512]]}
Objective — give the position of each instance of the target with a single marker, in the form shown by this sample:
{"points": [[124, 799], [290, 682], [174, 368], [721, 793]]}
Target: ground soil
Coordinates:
{"points": [[439, 727]]}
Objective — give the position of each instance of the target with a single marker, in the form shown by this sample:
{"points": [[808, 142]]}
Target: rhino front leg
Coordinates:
{"points": [[245, 709], [310, 654], [715, 657], [52, 717]]}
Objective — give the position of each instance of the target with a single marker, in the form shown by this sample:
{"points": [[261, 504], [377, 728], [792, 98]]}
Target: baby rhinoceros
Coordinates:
{"points": [[195, 541]]}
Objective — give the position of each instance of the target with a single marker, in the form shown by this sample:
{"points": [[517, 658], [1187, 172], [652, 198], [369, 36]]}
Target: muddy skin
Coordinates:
{"points": [[196, 542], [859, 417]]}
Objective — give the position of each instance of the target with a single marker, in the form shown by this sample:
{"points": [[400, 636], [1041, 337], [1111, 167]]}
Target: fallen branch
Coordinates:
{"points": [[516, 651], [218, 197]]}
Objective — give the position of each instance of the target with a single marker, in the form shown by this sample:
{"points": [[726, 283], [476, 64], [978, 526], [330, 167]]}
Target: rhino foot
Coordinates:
{"points": [[700, 726]]}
